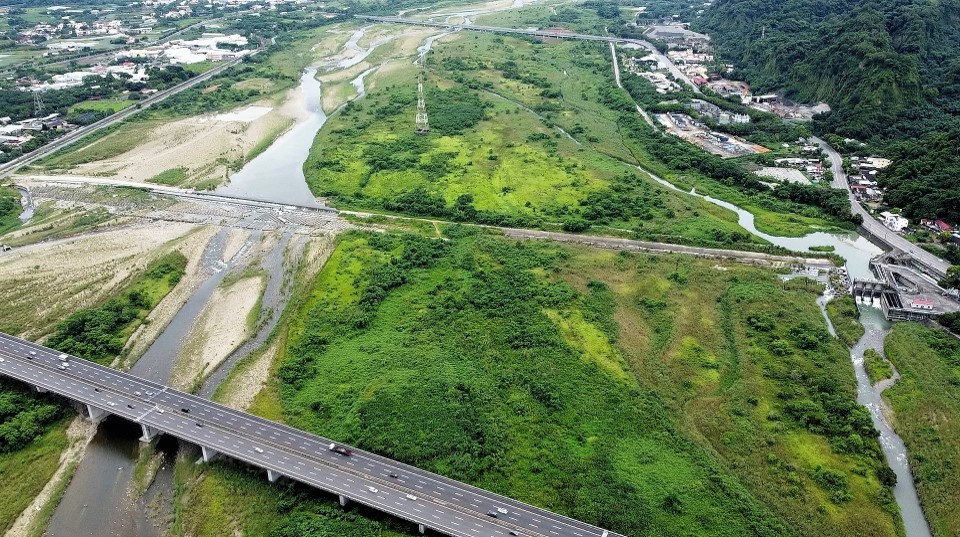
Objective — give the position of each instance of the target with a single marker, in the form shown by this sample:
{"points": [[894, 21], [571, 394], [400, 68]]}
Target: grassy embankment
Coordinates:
{"points": [[845, 317], [10, 209], [100, 333], [926, 413], [651, 395], [494, 155]]}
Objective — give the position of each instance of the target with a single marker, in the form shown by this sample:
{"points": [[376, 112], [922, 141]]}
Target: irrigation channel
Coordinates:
{"points": [[98, 500]]}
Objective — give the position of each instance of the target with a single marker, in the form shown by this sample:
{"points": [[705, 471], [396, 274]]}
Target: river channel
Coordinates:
{"points": [[277, 174], [857, 252]]}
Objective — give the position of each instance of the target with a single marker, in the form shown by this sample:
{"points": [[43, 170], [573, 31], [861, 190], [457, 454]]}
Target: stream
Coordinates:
{"points": [[857, 252]]}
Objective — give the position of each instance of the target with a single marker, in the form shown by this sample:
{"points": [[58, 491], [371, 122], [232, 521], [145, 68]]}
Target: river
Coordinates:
{"points": [[857, 252], [277, 174]]}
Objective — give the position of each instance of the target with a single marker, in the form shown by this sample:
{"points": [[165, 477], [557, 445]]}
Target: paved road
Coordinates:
{"points": [[674, 70], [73, 136], [873, 225], [439, 503]]}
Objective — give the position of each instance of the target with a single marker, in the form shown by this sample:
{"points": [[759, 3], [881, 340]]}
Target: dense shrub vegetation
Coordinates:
{"points": [[100, 333], [926, 408], [877, 367], [24, 415], [708, 402]]}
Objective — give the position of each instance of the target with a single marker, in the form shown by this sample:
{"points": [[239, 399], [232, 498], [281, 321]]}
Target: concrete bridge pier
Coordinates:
{"points": [[149, 433], [272, 476], [208, 454], [423, 529], [96, 415], [343, 500]]}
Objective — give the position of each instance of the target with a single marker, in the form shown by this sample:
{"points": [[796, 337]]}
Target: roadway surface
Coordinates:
{"points": [[439, 503], [674, 70], [75, 135], [873, 225]]}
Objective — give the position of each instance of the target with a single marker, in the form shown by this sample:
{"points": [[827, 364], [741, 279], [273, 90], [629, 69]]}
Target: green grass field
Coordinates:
{"points": [[495, 155], [926, 408], [706, 401], [103, 145], [24, 473]]}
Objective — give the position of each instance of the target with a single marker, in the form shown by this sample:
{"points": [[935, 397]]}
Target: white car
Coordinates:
{"points": [[373, 489], [501, 510], [63, 357], [258, 450], [411, 497]]}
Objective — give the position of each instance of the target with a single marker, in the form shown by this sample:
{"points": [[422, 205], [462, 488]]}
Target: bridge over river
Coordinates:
{"points": [[429, 500]]}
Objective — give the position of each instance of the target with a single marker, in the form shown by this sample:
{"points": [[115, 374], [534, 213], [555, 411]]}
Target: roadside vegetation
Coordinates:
{"points": [[926, 413], [710, 401], [845, 317], [99, 333]]}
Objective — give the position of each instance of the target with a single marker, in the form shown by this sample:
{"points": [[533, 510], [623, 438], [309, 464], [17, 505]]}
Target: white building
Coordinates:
{"points": [[894, 222]]}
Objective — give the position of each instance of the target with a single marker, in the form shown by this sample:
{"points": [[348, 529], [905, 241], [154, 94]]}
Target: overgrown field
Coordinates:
{"points": [[100, 333], [25, 469], [650, 395], [522, 133], [926, 408]]}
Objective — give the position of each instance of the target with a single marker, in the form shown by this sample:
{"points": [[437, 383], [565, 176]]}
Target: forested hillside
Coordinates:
{"points": [[890, 69]]}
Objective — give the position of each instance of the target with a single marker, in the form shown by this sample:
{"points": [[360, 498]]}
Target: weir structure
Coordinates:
{"points": [[433, 502]]}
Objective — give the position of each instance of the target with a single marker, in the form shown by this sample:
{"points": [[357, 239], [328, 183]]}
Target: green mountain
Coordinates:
{"points": [[890, 69]]}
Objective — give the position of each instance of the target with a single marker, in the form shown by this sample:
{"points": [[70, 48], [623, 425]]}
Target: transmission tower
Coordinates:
{"points": [[37, 104], [423, 125]]}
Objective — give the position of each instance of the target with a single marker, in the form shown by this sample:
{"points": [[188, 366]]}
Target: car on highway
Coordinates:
{"points": [[373, 489], [63, 357], [258, 450], [343, 450], [411, 497]]}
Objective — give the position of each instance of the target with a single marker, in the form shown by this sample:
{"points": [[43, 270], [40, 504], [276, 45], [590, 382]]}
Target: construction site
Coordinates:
{"points": [[718, 143]]}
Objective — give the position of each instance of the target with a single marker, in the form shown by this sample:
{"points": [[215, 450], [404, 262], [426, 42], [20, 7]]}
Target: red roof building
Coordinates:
{"points": [[943, 226]]}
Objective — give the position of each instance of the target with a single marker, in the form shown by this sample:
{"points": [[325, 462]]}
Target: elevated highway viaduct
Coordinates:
{"points": [[429, 500]]}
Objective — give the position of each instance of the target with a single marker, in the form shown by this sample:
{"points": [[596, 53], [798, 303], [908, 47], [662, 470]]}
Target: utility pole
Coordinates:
{"points": [[37, 104], [423, 124]]}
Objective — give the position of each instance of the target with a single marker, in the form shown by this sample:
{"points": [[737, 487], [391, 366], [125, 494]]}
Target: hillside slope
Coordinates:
{"points": [[890, 69]]}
